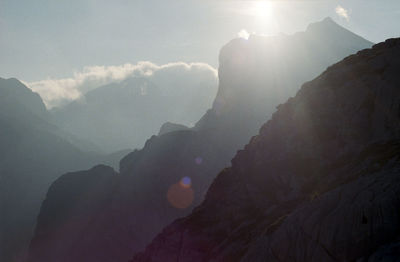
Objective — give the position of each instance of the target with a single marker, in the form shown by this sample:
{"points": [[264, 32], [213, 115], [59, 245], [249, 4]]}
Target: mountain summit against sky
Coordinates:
{"points": [[171, 174], [16, 97], [319, 183], [259, 73]]}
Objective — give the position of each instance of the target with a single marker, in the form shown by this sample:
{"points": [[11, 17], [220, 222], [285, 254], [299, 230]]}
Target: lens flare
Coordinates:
{"points": [[186, 182], [180, 196], [262, 9]]}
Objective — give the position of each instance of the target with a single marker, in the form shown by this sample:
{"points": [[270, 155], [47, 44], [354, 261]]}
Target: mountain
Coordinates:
{"points": [[320, 182], [171, 174], [171, 127], [16, 97], [123, 115], [33, 152]]}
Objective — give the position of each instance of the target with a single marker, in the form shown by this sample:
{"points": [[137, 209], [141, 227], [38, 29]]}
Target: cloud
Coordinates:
{"points": [[342, 12], [243, 34], [57, 92]]}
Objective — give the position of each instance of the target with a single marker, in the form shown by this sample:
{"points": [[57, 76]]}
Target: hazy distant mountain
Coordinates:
{"points": [[172, 173], [33, 153], [15, 97], [171, 127], [319, 183], [123, 115]]}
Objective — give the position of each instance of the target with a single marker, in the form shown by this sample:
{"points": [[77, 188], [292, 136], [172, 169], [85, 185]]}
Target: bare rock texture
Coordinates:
{"points": [[171, 174], [319, 183]]}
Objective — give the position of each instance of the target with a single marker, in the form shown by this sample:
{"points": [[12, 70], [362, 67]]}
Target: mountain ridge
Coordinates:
{"points": [[124, 114], [33, 151], [314, 184], [184, 163]]}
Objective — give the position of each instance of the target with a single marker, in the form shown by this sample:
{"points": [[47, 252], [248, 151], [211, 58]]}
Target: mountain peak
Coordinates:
{"points": [[243, 62], [319, 152], [328, 19], [14, 95], [326, 24]]}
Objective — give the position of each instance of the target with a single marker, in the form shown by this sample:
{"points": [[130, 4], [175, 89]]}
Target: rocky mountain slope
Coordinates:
{"points": [[172, 173], [33, 153], [320, 182]]}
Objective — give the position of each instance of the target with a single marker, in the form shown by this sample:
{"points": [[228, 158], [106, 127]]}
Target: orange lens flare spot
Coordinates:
{"points": [[180, 196]]}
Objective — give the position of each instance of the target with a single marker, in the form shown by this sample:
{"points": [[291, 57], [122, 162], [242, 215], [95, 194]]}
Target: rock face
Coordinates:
{"points": [[33, 152], [320, 182], [171, 174]]}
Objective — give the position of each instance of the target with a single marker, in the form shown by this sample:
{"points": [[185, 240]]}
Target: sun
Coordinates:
{"points": [[262, 9], [260, 15]]}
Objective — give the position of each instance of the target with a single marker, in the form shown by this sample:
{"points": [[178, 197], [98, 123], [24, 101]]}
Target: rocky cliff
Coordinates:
{"points": [[171, 174], [320, 182]]}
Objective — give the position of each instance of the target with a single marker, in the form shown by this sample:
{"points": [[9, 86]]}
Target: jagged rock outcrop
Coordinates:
{"points": [[319, 183], [171, 174]]}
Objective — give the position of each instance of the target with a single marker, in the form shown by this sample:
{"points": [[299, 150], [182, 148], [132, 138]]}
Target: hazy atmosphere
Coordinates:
{"points": [[199, 130], [57, 39]]}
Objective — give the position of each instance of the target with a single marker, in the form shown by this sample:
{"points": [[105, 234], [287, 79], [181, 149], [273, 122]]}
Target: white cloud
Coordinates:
{"points": [[243, 34], [55, 92], [342, 12]]}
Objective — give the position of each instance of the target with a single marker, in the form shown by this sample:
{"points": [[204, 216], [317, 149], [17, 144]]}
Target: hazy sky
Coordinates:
{"points": [[54, 38]]}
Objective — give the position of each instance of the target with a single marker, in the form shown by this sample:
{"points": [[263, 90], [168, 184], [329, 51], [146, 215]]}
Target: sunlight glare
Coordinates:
{"points": [[262, 9]]}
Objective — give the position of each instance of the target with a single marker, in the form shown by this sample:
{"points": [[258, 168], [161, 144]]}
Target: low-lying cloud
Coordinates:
{"points": [[243, 34], [342, 12], [57, 92]]}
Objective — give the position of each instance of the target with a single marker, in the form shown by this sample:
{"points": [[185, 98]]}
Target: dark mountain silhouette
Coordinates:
{"points": [[123, 115], [320, 182], [33, 152], [173, 171]]}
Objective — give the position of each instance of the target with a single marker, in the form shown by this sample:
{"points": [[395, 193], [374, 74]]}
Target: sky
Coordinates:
{"points": [[48, 39]]}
